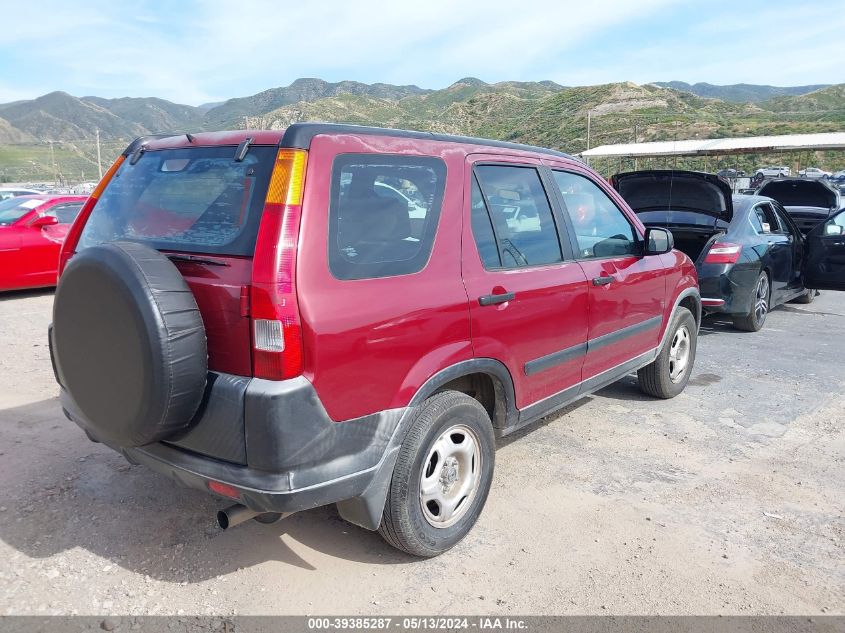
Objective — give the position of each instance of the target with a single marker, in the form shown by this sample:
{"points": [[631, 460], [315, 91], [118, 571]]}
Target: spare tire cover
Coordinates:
{"points": [[129, 343]]}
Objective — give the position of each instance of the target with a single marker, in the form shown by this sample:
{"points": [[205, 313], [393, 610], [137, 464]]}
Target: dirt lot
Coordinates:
{"points": [[726, 500]]}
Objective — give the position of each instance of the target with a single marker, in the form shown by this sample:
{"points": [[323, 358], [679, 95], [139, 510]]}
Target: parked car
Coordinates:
{"points": [[730, 173], [837, 178], [813, 172], [14, 192], [773, 171], [749, 254], [234, 316], [31, 232], [808, 202]]}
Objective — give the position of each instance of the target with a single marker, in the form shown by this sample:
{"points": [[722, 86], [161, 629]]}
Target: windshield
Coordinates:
{"points": [[196, 200], [14, 209]]}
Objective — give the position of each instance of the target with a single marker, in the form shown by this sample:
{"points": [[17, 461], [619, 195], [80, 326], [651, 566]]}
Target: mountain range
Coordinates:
{"points": [[543, 113]]}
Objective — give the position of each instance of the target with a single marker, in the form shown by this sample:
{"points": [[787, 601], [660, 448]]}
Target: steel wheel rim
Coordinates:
{"points": [[761, 299], [679, 352], [450, 477]]}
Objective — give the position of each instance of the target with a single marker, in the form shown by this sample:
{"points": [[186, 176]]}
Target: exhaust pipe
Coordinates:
{"points": [[234, 515]]}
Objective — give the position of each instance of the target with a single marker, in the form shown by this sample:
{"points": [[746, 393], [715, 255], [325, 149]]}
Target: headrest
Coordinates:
{"points": [[373, 219]]}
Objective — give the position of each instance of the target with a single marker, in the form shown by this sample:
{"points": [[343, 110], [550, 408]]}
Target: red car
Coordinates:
{"points": [[32, 229], [350, 315]]}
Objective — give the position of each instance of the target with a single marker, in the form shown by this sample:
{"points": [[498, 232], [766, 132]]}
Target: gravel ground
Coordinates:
{"points": [[726, 500]]}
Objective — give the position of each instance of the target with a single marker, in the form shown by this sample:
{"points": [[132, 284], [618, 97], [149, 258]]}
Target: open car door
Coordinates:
{"points": [[826, 255]]}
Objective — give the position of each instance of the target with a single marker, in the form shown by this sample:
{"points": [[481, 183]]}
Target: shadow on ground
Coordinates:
{"points": [[63, 492], [13, 295]]}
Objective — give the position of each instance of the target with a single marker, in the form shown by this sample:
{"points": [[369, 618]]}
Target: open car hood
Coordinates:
{"points": [[801, 192], [675, 190]]}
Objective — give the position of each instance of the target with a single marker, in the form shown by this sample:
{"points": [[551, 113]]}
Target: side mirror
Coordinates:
{"points": [[44, 220], [833, 229], [658, 241]]}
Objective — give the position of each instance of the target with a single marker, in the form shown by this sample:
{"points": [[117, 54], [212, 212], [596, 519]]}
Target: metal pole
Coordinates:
{"points": [[99, 161], [55, 169], [589, 122], [636, 161]]}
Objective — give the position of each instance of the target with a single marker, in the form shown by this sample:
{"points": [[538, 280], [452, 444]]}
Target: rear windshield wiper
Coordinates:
{"points": [[243, 148], [196, 260]]}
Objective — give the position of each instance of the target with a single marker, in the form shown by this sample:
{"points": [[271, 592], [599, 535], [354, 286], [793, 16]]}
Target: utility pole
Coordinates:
{"points": [[636, 134], [99, 161], [53, 160]]}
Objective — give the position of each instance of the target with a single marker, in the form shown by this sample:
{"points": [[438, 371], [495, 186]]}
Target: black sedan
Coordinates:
{"points": [[749, 254]]}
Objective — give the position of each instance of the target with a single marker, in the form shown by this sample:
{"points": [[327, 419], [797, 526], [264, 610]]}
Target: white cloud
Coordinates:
{"points": [[221, 43], [210, 50]]}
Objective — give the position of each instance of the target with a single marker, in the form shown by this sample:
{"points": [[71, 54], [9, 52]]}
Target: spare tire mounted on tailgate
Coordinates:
{"points": [[130, 344]]}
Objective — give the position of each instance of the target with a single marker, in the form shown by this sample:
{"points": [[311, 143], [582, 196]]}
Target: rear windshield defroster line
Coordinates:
{"points": [[190, 200]]}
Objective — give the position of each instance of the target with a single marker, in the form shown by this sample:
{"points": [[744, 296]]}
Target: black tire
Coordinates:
{"points": [[268, 518], [129, 344], [656, 379], [807, 297], [405, 524], [756, 318]]}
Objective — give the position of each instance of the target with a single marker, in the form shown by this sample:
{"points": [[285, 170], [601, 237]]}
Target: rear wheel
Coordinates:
{"points": [[760, 298], [442, 476], [669, 373]]}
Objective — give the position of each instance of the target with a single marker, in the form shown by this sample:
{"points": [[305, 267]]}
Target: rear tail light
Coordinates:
{"points": [[277, 337], [75, 231], [723, 253]]}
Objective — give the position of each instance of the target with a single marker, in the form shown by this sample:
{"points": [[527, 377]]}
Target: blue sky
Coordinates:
{"points": [[193, 51]]}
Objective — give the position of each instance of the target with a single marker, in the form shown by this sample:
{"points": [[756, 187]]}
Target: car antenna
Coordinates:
{"points": [[189, 137], [243, 148]]}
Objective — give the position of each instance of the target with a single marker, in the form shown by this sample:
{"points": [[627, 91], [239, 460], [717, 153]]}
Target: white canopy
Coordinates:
{"points": [[721, 146]]}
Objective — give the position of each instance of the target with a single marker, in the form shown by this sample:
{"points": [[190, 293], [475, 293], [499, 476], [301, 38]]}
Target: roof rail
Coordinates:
{"points": [[300, 135]]}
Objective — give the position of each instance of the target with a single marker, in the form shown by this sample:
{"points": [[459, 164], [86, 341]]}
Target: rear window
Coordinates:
{"points": [[679, 218], [383, 214], [196, 200]]}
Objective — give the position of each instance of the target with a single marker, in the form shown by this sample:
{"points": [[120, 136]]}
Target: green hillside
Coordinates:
{"points": [[541, 113], [740, 93]]}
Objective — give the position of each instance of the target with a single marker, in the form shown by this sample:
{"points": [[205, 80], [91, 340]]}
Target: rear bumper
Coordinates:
{"points": [[726, 288], [276, 445]]}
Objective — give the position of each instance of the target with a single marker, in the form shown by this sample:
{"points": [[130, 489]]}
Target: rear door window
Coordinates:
{"points": [[195, 200], [768, 220], [518, 215], [383, 214]]}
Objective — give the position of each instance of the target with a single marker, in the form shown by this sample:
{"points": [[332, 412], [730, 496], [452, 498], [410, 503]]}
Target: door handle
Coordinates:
{"points": [[489, 300], [602, 281]]}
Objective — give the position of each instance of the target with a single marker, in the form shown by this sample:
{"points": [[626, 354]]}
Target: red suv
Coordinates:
{"points": [[352, 315]]}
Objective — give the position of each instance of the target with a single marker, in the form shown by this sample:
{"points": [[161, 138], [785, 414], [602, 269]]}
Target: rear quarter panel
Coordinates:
{"points": [[369, 344]]}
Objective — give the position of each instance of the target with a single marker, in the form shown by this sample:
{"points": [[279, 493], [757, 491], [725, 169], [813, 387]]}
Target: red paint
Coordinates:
{"points": [[636, 294], [217, 290], [29, 254], [547, 315], [368, 345]]}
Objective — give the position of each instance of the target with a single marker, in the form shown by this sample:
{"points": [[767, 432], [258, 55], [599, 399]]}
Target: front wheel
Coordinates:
{"points": [[442, 476], [668, 374], [807, 297], [760, 303]]}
